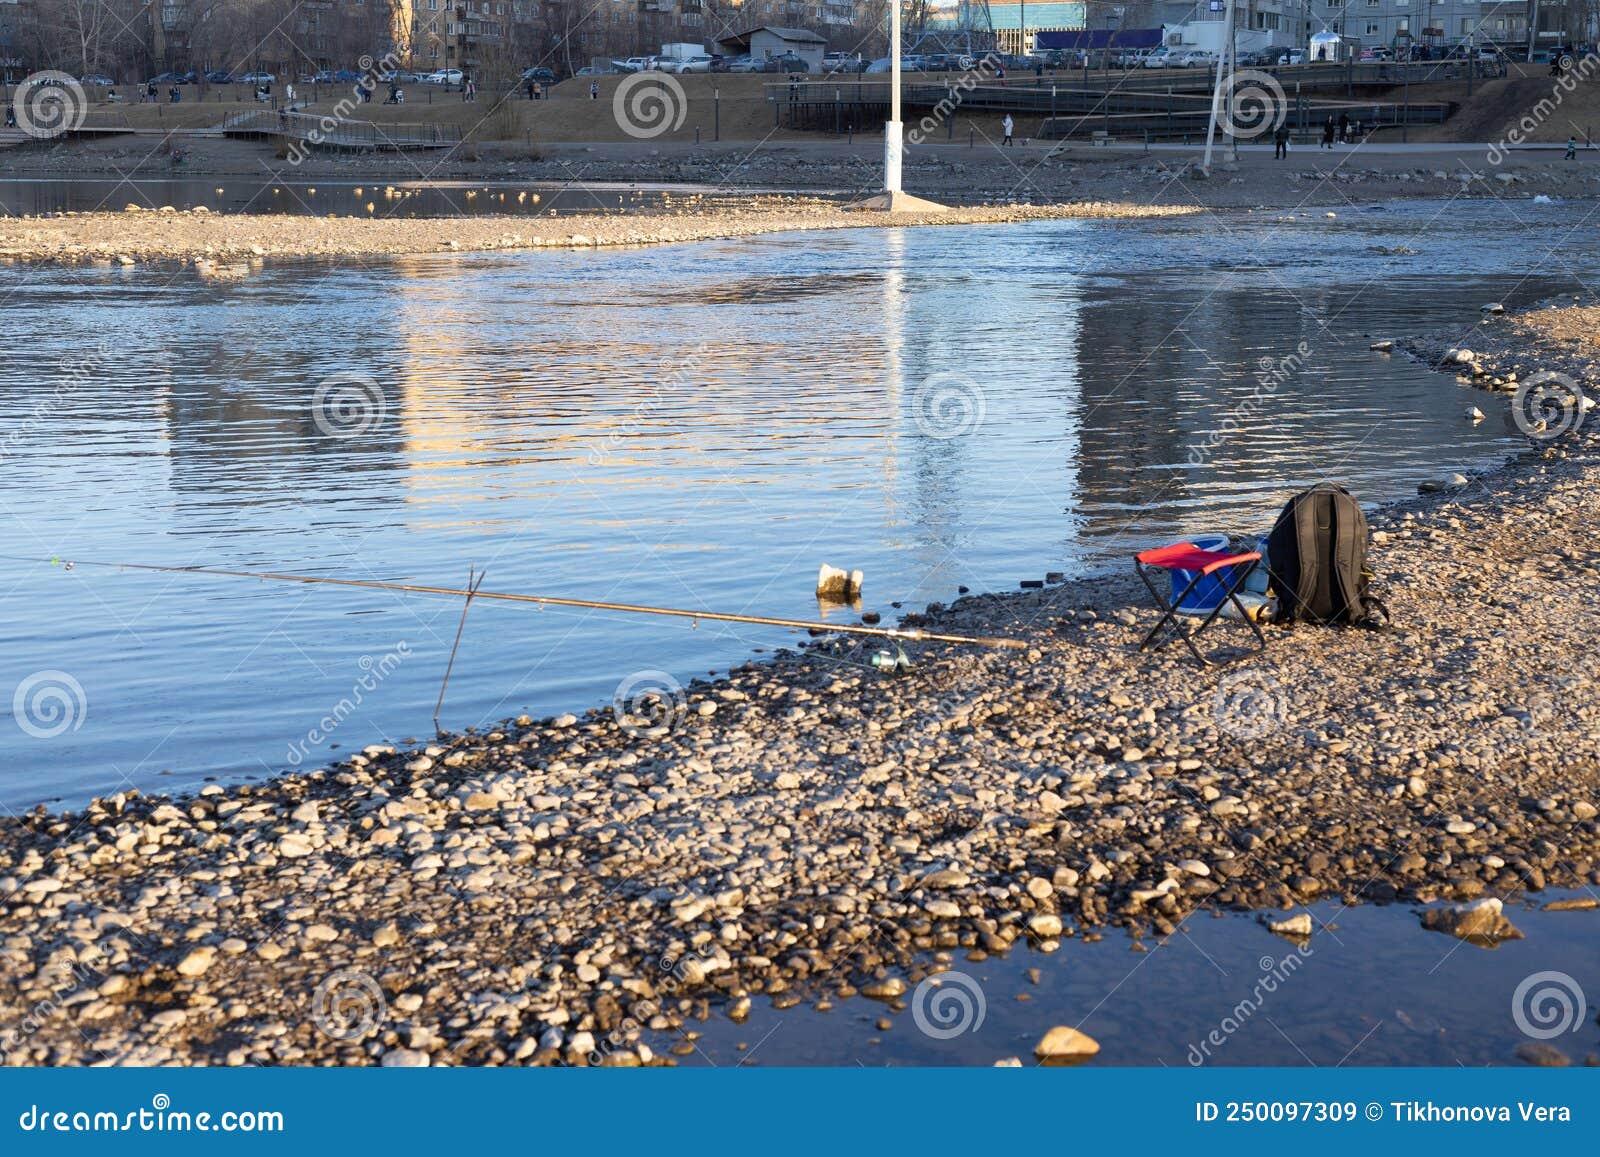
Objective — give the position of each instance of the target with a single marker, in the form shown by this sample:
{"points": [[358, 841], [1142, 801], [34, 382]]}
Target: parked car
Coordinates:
{"points": [[700, 63], [842, 62], [444, 76], [538, 75], [253, 78], [745, 64], [95, 80], [219, 76], [636, 64], [1196, 58], [788, 62], [1162, 57]]}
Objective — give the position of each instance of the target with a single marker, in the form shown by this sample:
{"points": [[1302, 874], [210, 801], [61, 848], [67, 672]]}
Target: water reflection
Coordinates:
{"points": [[696, 425]]}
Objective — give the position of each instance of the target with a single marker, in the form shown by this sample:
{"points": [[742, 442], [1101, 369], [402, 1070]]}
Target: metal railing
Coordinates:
{"points": [[337, 133]]}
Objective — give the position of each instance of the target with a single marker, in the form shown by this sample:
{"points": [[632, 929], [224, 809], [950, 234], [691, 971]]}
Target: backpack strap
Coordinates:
{"points": [[1344, 564], [1305, 529], [1374, 614]]}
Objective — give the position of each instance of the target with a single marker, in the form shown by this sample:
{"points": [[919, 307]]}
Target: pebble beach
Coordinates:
{"points": [[583, 889], [137, 235]]}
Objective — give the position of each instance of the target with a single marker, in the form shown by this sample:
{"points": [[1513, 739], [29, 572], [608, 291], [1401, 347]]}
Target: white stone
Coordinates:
{"points": [[405, 1059]]}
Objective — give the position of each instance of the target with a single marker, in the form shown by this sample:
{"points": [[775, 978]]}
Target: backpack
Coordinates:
{"points": [[1317, 560]]}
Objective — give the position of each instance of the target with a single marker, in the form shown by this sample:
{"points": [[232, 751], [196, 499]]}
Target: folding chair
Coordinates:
{"points": [[1185, 556]]}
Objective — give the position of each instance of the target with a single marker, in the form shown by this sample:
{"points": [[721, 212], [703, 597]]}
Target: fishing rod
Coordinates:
{"points": [[910, 634]]}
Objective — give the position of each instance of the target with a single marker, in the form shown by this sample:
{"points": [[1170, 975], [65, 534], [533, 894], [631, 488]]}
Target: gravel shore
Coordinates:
{"points": [[136, 235], [1033, 172], [583, 888]]}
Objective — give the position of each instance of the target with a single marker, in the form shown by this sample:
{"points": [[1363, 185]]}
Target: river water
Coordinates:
{"points": [[697, 425], [347, 198]]}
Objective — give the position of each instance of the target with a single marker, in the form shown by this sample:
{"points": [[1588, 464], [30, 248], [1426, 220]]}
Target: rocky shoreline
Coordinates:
{"points": [[214, 241], [577, 889], [1031, 173]]}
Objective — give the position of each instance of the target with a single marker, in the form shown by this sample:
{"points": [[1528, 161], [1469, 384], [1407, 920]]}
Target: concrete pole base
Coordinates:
{"points": [[899, 203]]}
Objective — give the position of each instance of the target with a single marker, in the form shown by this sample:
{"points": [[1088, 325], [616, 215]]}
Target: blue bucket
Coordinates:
{"points": [[1209, 592], [1259, 579]]}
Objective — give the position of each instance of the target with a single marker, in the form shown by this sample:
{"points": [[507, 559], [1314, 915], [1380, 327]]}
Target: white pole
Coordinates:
{"points": [[1232, 49], [892, 129], [1216, 93]]}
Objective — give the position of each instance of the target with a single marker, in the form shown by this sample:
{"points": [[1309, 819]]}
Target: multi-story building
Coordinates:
{"points": [[12, 62], [1386, 23], [1436, 23], [1016, 21]]}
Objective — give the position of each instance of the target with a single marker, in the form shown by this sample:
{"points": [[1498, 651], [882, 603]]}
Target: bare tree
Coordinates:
{"points": [[85, 36]]}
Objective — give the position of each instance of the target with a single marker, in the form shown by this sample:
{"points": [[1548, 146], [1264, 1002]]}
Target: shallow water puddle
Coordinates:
{"points": [[1374, 988]]}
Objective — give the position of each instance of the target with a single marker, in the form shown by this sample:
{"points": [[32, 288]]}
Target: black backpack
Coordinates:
{"points": [[1317, 558]]}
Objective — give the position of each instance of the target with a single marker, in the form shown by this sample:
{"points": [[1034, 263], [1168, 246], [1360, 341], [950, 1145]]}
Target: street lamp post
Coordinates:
{"points": [[893, 199], [1224, 77]]}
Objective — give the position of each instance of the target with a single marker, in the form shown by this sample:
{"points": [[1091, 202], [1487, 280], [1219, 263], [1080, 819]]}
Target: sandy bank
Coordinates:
{"points": [[137, 235]]}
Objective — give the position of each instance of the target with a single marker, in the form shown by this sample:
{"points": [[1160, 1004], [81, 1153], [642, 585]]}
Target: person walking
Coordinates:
{"points": [[1572, 148], [594, 90], [1344, 128], [1280, 142], [1006, 126], [1327, 132], [533, 88]]}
